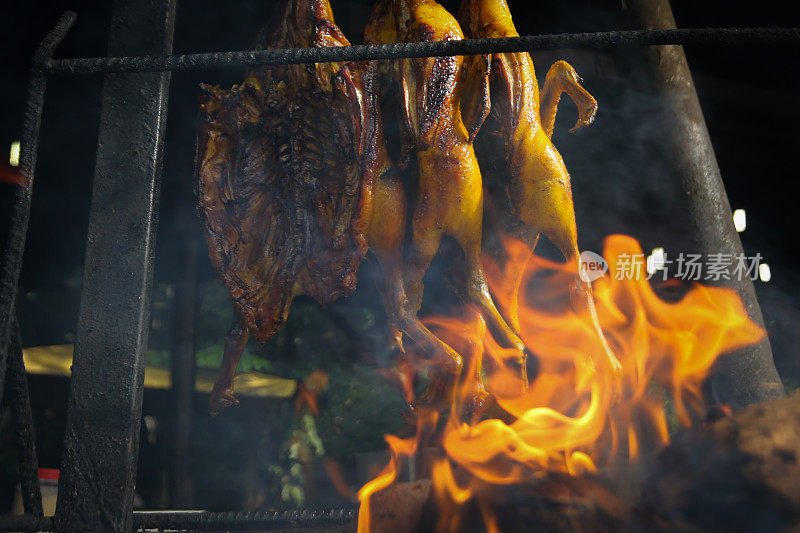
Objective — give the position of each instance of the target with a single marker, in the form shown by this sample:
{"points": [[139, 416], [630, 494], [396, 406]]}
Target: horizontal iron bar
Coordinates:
{"points": [[204, 521], [207, 521], [609, 39]]}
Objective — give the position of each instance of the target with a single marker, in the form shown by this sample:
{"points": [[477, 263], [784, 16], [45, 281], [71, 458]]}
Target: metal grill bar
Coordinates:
{"points": [[10, 265], [26, 439], [203, 521], [183, 362], [207, 521], [101, 443], [610, 39], [11, 258]]}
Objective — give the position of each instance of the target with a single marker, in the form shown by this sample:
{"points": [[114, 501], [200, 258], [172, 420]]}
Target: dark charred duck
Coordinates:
{"points": [[286, 164]]}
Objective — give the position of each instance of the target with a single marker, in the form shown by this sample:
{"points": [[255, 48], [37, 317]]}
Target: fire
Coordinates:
{"points": [[399, 448], [574, 417], [309, 390]]}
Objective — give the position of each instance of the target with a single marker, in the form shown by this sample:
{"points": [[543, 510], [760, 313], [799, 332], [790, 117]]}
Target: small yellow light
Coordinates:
{"points": [[764, 273], [13, 156], [656, 260], [740, 220]]}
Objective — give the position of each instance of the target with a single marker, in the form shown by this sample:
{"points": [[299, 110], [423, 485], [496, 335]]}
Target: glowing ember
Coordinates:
{"points": [[573, 417]]}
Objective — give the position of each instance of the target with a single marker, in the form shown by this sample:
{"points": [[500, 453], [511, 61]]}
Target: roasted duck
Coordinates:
{"points": [[286, 169], [295, 182], [538, 189], [441, 119]]}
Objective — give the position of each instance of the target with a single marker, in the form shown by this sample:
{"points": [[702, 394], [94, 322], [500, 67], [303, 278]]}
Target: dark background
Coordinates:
{"points": [[750, 97]]}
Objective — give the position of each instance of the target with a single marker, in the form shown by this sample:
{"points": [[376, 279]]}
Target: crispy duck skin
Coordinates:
{"points": [[286, 167], [440, 124], [538, 187]]}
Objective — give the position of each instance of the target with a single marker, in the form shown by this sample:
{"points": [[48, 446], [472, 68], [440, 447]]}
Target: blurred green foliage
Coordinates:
{"points": [[246, 458], [356, 409]]}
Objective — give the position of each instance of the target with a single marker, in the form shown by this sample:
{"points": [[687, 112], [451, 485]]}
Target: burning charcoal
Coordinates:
{"points": [[740, 473], [398, 509], [557, 503]]}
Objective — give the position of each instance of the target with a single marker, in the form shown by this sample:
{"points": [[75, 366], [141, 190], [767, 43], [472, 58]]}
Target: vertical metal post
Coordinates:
{"points": [[26, 437], [183, 363], [101, 446], [11, 256], [748, 375]]}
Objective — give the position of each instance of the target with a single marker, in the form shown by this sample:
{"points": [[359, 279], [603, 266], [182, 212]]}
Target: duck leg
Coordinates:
{"points": [[222, 394], [562, 78]]}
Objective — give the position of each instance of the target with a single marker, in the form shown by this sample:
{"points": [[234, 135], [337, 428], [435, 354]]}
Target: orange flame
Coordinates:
{"points": [[309, 390], [574, 415], [426, 421]]}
